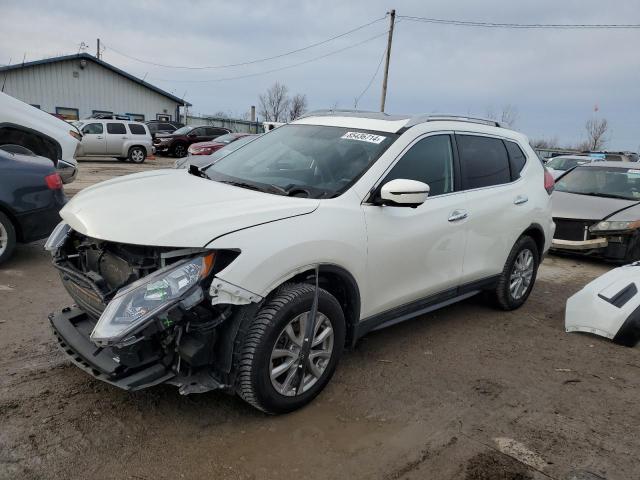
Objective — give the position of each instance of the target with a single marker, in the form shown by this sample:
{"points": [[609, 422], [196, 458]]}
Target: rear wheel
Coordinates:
{"points": [[7, 237], [137, 154], [269, 377], [518, 275]]}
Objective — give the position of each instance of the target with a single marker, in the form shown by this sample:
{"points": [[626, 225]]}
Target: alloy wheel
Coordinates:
{"points": [[180, 151], [137, 156], [521, 274], [4, 238], [286, 354]]}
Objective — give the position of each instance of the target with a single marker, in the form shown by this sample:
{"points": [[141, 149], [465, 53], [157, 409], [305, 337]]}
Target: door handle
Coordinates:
{"points": [[99, 137], [520, 199], [458, 215]]}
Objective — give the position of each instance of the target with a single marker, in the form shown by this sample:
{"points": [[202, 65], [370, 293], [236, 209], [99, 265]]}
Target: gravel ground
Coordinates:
{"points": [[467, 392]]}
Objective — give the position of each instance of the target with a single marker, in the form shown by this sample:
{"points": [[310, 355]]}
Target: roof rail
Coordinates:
{"points": [[453, 118], [355, 113]]}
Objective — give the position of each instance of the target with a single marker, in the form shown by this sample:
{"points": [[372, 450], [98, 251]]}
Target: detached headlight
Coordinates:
{"points": [[136, 304], [57, 237], [608, 226], [75, 134]]}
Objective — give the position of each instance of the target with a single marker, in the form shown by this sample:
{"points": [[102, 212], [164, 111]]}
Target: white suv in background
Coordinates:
{"points": [[253, 274], [125, 140]]}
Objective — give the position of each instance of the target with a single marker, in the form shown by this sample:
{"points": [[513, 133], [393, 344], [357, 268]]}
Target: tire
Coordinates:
{"points": [[7, 238], [504, 294], [179, 150], [254, 365], [137, 154]]}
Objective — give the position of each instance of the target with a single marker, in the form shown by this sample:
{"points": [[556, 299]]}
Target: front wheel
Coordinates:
{"points": [[518, 275], [269, 374], [137, 154], [180, 150]]}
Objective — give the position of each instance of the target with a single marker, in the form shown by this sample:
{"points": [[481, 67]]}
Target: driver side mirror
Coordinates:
{"points": [[191, 135], [403, 192]]}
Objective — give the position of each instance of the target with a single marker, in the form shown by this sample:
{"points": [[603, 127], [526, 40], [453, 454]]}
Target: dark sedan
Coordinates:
{"points": [[178, 142], [596, 208], [31, 196]]}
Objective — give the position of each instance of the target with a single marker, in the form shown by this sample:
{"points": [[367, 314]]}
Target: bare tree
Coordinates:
{"points": [[297, 106], [596, 133], [274, 104], [545, 143], [508, 116]]}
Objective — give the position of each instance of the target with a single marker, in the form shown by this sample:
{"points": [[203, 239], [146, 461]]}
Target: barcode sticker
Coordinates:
{"points": [[364, 137]]}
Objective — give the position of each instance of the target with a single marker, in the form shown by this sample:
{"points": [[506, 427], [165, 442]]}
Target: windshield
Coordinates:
{"points": [[563, 164], [602, 181], [303, 160], [183, 130]]}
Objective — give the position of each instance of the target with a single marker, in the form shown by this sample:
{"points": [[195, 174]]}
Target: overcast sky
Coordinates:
{"points": [[555, 78]]}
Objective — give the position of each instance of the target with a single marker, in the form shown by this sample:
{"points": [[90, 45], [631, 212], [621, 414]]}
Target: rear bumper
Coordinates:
{"points": [[72, 328], [38, 224]]}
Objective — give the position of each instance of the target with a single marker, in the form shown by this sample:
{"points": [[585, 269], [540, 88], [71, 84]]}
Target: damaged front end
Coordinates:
{"points": [[144, 315]]}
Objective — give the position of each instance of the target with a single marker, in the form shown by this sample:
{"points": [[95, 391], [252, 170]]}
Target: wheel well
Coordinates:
{"points": [[37, 143], [137, 146], [341, 284], [537, 234]]}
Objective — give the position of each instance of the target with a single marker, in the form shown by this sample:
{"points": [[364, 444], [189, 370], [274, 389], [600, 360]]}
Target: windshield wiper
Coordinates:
{"points": [[251, 186], [605, 195]]}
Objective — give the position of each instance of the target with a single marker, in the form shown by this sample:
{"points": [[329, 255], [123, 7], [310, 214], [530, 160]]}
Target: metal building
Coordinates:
{"points": [[78, 86]]}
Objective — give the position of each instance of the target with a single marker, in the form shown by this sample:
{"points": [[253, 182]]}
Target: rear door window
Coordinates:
{"points": [[116, 128], [484, 161], [137, 129], [517, 159]]}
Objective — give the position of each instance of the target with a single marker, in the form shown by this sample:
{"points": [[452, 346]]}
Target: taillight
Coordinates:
{"points": [[54, 182], [549, 182]]}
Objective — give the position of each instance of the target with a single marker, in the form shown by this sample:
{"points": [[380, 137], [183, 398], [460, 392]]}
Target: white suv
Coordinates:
{"points": [[125, 140], [253, 274]]}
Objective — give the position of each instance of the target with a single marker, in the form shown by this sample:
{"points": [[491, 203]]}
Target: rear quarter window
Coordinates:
{"points": [[484, 161], [517, 159], [137, 129]]}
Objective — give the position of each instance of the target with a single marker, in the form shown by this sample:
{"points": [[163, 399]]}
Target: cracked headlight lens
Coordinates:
{"points": [[136, 304], [606, 226]]}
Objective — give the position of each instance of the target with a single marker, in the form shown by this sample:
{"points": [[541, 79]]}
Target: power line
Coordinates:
{"points": [[249, 62], [384, 53], [559, 26], [212, 80]]}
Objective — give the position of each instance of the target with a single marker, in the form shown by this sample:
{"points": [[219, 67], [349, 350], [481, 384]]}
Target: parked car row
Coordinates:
{"points": [[177, 143]]}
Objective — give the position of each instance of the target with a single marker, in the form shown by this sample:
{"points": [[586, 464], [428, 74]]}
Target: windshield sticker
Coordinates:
{"points": [[364, 137]]}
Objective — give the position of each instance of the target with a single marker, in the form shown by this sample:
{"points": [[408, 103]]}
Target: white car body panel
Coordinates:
{"points": [[16, 112], [589, 310], [182, 211]]}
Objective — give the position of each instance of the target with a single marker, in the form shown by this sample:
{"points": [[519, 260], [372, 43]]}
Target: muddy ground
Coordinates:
{"points": [[467, 392]]}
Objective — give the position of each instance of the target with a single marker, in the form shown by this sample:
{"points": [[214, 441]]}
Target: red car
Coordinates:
{"points": [[207, 148]]}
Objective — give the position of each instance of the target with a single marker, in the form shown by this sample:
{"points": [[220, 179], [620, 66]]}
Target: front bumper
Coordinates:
{"points": [[579, 245], [72, 328]]}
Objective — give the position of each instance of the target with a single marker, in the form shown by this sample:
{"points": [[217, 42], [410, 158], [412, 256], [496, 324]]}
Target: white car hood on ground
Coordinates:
{"points": [[172, 208]]}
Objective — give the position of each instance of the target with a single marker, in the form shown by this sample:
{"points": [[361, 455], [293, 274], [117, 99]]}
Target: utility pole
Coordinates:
{"points": [[98, 49], [253, 116], [392, 20]]}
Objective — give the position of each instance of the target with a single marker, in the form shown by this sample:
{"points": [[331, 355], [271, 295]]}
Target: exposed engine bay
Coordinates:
{"points": [[143, 315]]}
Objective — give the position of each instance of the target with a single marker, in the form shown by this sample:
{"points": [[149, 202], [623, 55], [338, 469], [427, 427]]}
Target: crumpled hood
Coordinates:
{"points": [[586, 207], [172, 208]]}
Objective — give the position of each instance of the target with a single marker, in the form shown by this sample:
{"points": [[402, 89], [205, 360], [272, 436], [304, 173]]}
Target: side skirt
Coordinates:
{"points": [[422, 306]]}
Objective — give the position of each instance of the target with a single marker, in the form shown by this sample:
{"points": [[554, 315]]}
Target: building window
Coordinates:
{"points": [[163, 118], [35, 105], [95, 113], [68, 113], [136, 117]]}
